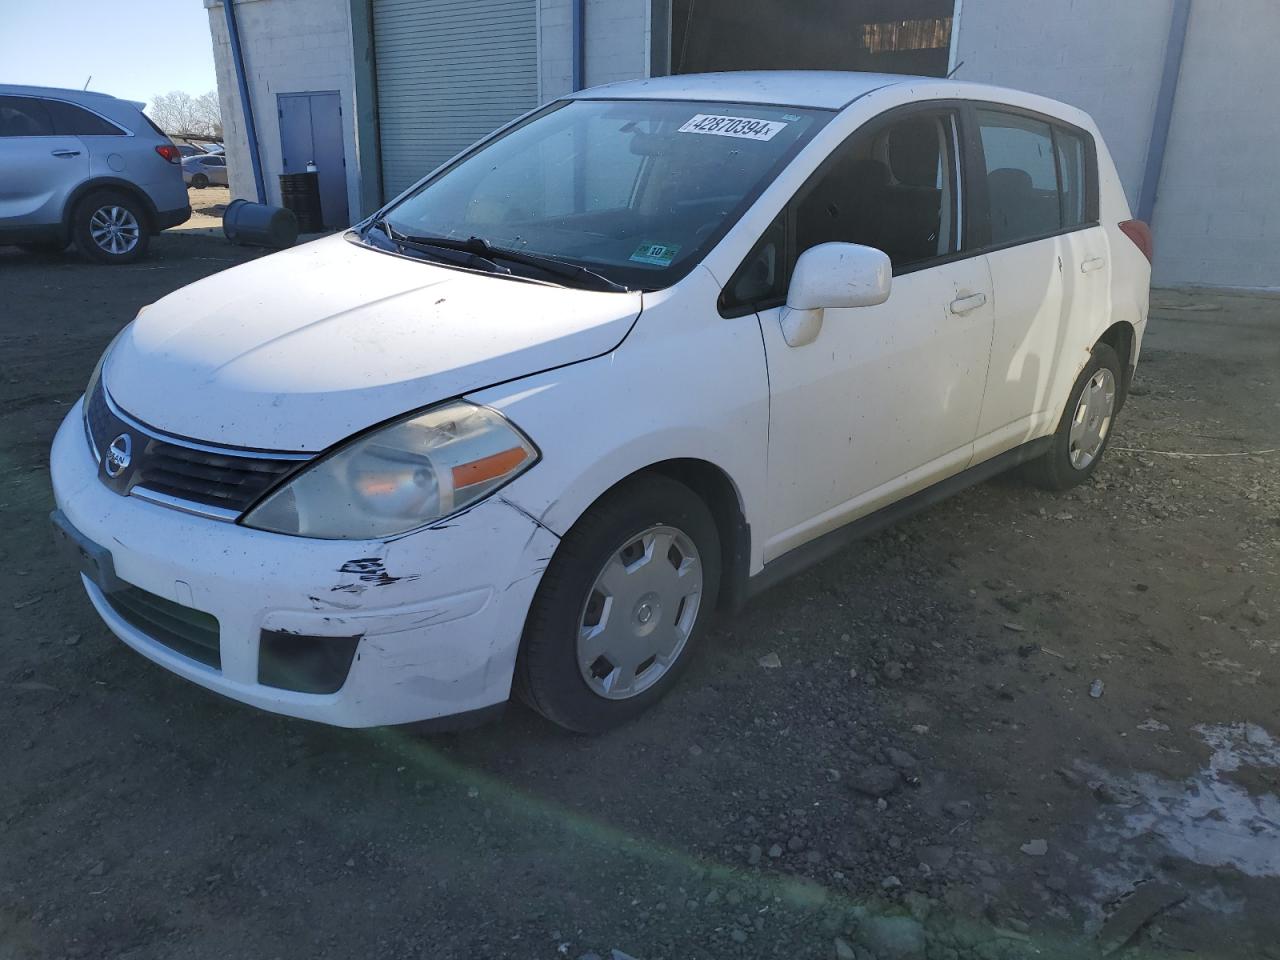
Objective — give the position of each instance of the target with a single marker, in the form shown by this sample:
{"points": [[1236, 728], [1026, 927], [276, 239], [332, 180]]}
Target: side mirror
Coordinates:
{"points": [[829, 276]]}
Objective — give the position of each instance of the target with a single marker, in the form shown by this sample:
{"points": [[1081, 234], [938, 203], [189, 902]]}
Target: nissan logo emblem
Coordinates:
{"points": [[118, 455]]}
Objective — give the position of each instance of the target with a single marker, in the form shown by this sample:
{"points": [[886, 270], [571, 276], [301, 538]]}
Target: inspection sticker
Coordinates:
{"points": [[744, 128], [659, 254]]}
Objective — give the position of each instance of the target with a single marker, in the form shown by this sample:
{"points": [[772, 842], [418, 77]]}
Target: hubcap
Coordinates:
{"points": [[114, 229], [1092, 419], [639, 613]]}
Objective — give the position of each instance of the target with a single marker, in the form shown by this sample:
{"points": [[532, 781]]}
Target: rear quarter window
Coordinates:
{"points": [[75, 121]]}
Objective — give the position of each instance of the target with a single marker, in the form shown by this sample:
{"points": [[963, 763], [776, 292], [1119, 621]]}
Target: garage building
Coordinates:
{"points": [[376, 93]]}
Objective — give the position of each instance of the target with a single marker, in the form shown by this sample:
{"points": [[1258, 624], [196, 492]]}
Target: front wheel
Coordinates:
{"points": [[621, 606], [110, 227], [200, 181], [1085, 427]]}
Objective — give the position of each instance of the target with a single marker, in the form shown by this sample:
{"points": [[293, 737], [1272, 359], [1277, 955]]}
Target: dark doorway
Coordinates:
{"points": [[311, 132], [885, 36]]}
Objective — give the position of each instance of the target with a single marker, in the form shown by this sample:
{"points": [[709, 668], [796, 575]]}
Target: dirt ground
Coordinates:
{"points": [[985, 727], [207, 207]]}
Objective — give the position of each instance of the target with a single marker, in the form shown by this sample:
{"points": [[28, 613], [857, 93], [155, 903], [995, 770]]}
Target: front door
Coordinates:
{"points": [[886, 400], [311, 132], [38, 167]]}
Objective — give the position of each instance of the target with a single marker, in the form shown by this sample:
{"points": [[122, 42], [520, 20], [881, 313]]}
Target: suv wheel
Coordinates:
{"points": [[621, 607], [110, 228], [1085, 427]]}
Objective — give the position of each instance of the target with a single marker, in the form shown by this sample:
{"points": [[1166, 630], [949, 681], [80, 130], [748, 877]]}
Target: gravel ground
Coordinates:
{"points": [[1018, 725]]}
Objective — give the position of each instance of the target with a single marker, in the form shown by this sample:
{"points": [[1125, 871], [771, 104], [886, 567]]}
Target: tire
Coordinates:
{"points": [[1071, 460], [93, 222], [644, 524], [200, 181]]}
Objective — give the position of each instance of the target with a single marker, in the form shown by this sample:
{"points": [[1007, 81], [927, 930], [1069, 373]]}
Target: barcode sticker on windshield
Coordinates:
{"points": [[744, 128]]}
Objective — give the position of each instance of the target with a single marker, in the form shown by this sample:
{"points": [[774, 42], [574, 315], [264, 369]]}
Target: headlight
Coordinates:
{"points": [[399, 477], [97, 372]]}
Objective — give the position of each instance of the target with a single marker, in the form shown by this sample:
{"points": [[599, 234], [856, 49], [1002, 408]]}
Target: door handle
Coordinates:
{"points": [[1092, 264], [66, 153], [963, 305]]}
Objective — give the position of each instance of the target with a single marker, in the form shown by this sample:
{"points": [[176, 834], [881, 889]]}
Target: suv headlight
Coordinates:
{"points": [[400, 476]]}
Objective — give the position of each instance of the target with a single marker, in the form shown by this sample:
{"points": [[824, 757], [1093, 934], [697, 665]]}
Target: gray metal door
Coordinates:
{"points": [[449, 72], [311, 132]]}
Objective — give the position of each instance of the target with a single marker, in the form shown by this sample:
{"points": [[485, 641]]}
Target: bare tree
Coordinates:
{"points": [[209, 112], [181, 115]]}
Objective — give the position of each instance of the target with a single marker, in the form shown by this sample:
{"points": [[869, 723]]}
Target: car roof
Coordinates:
{"points": [[88, 97], [828, 89]]}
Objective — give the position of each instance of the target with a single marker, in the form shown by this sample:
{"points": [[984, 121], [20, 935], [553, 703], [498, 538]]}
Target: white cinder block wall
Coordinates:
{"points": [[1217, 217], [617, 43], [289, 46]]}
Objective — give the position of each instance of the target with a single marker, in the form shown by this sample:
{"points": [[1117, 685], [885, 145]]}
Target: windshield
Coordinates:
{"points": [[634, 190]]}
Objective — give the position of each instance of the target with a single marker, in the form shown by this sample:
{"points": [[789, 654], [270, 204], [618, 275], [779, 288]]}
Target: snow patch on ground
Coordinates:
{"points": [[1205, 819]]}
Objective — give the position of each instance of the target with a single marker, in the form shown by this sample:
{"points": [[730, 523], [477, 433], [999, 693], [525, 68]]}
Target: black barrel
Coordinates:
{"points": [[300, 192], [257, 224]]}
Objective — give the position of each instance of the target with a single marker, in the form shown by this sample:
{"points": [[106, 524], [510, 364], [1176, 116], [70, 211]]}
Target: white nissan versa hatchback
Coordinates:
{"points": [[632, 358]]}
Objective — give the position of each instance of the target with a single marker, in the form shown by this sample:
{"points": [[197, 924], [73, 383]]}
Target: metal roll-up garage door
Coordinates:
{"points": [[449, 72]]}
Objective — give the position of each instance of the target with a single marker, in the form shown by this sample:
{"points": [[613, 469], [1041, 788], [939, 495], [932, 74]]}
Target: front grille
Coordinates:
{"points": [[189, 632], [216, 478]]}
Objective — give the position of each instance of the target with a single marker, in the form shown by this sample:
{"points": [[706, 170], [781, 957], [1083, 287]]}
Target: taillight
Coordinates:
{"points": [[1140, 234], [169, 152]]}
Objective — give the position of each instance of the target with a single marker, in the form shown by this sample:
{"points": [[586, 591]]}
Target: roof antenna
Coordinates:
{"points": [[954, 69], [86, 83]]}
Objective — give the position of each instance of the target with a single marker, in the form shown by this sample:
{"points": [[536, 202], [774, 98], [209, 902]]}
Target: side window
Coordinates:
{"points": [[74, 121], [1076, 167], [1022, 178], [218, 161], [760, 282], [892, 187], [24, 117]]}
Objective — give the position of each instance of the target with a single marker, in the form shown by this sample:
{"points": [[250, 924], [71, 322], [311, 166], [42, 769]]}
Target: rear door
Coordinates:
{"points": [[38, 166], [216, 168], [1036, 207], [886, 400], [106, 144]]}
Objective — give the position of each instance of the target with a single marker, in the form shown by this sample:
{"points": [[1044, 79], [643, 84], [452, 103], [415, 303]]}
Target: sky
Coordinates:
{"points": [[134, 49]]}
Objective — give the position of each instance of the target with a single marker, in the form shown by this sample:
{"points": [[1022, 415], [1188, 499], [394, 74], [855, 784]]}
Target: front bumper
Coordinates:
{"points": [[438, 613]]}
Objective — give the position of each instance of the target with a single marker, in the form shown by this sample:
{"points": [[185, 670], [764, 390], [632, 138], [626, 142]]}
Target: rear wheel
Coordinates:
{"points": [[110, 227], [199, 181], [621, 607], [1085, 427]]}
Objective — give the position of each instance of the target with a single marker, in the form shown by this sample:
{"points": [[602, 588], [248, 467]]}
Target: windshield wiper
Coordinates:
{"points": [[433, 246], [479, 247], [552, 265]]}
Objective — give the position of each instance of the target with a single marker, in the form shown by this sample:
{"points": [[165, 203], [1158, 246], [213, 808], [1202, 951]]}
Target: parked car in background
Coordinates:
{"points": [[215, 148], [206, 169], [635, 357], [190, 150], [86, 168]]}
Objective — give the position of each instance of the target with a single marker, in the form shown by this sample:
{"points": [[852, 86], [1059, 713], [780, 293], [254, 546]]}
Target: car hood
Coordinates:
{"points": [[299, 350]]}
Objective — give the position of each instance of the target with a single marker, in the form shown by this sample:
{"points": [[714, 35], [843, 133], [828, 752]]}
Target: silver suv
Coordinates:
{"points": [[85, 168]]}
